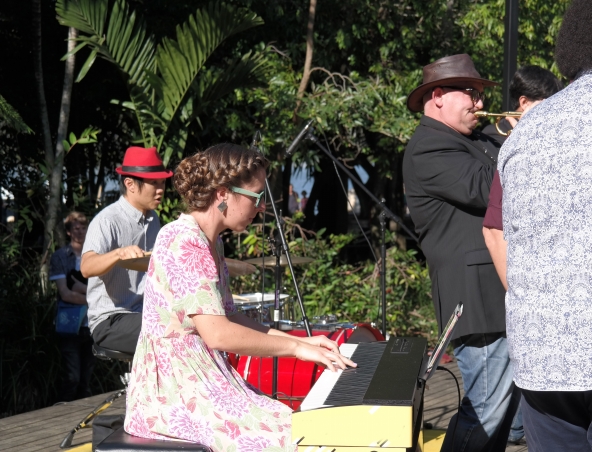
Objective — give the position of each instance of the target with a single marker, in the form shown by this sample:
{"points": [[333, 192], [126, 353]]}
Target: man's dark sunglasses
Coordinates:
{"points": [[475, 94]]}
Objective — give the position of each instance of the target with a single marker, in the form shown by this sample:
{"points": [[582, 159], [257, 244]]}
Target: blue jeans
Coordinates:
{"points": [[491, 398], [517, 429]]}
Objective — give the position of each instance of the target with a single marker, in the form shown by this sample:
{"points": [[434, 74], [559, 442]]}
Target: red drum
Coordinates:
{"points": [[296, 377]]}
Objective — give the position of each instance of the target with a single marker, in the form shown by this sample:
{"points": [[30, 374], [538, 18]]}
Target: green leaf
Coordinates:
{"points": [[12, 118], [87, 65]]}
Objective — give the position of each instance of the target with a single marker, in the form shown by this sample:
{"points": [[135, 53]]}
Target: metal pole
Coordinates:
{"points": [[510, 50], [382, 219]]}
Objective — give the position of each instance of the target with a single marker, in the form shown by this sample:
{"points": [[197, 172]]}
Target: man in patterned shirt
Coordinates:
{"points": [[545, 169], [123, 230]]}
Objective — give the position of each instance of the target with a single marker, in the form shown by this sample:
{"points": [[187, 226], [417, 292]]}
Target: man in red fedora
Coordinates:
{"points": [[123, 230], [448, 168]]}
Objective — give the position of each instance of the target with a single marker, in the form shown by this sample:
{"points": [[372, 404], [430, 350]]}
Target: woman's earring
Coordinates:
{"points": [[222, 206]]}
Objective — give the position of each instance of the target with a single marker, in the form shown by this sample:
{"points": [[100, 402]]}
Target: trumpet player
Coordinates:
{"points": [[448, 168]]}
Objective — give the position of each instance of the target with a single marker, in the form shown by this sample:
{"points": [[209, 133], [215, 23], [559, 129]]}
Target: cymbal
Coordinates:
{"points": [[239, 268], [139, 264], [270, 261]]}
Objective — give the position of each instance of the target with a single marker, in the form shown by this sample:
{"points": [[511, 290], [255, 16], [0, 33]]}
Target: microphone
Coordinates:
{"points": [[256, 141], [299, 138]]}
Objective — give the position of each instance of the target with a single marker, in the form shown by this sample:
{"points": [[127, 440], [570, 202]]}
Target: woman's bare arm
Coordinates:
{"points": [[220, 333]]}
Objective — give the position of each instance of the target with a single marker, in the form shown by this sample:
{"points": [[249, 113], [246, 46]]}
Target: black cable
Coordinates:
{"points": [[458, 409], [352, 207], [356, 217]]}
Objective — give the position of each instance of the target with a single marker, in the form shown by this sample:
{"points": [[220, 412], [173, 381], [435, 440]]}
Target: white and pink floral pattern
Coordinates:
{"points": [[180, 388]]}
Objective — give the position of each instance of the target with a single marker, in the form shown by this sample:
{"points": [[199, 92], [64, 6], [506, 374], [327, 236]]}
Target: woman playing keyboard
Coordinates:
{"points": [[181, 386]]}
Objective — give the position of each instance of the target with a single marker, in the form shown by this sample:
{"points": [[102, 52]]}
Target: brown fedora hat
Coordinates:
{"points": [[451, 69]]}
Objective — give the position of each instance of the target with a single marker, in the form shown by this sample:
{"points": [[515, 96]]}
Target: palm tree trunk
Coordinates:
{"points": [[45, 129], [55, 161], [309, 50]]}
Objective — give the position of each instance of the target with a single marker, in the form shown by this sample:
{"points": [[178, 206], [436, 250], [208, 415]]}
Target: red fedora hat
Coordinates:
{"points": [[145, 163], [453, 69]]}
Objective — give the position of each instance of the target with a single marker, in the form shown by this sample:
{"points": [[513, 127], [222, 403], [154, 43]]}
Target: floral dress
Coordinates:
{"points": [[180, 388]]}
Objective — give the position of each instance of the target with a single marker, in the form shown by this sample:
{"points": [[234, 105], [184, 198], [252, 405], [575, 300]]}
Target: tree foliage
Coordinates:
{"points": [[167, 83], [11, 117]]}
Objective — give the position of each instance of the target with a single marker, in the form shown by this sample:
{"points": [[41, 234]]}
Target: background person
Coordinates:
{"points": [[293, 203], [78, 360], [303, 200], [530, 85], [189, 318], [447, 169], [123, 230], [545, 173]]}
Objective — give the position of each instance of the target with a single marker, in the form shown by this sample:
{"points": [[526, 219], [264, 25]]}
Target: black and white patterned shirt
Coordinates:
{"points": [[546, 173], [119, 290]]}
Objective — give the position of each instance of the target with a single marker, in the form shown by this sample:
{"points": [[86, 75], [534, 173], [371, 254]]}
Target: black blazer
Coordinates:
{"points": [[447, 180]]}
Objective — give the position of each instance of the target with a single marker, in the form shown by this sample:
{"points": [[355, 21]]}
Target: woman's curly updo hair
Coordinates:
{"points": [[198, 177]]}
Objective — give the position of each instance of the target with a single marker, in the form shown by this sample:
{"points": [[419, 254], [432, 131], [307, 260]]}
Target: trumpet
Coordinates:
{"points": [[499, 116]]}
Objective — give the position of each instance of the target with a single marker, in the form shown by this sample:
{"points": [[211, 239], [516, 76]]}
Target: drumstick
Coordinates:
{"points": [[238, 297]]}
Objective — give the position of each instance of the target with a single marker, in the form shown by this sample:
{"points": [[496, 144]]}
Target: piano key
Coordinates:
{"points": [[318, 393], [346, 387]]}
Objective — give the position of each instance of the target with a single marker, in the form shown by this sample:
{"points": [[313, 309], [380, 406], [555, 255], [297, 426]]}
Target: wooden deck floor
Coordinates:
{"points": [[43, 430], [441, 400]]}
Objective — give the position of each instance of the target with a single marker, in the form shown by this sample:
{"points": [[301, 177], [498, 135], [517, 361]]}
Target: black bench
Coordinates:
{"points": [[120, 441]]}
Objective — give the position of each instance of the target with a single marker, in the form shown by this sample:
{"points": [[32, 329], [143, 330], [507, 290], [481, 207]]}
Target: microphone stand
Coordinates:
{"points": [[278, 249], [385, 212], [286, 250]]}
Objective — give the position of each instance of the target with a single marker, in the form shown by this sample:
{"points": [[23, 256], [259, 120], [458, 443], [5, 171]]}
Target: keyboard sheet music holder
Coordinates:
{"points": [[443, 342]]}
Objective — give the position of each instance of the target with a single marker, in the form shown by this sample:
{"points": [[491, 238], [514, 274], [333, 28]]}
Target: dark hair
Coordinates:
{"points": [[533, 82], [198, 177], [573, 50], [75, 217], [139, 181]]}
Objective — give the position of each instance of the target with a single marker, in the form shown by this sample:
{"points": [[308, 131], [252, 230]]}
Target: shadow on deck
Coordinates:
{"points": [[43, 430]]}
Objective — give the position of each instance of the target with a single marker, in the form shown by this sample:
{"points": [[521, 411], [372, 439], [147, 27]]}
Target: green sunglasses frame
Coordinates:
{"points": [[252, 194]]}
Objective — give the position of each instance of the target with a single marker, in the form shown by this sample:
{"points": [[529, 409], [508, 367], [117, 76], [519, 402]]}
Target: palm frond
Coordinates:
{"points": [[179, 61], [9, 115], [86, 16], [245, 72], [121, 37], [209, 86]]}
